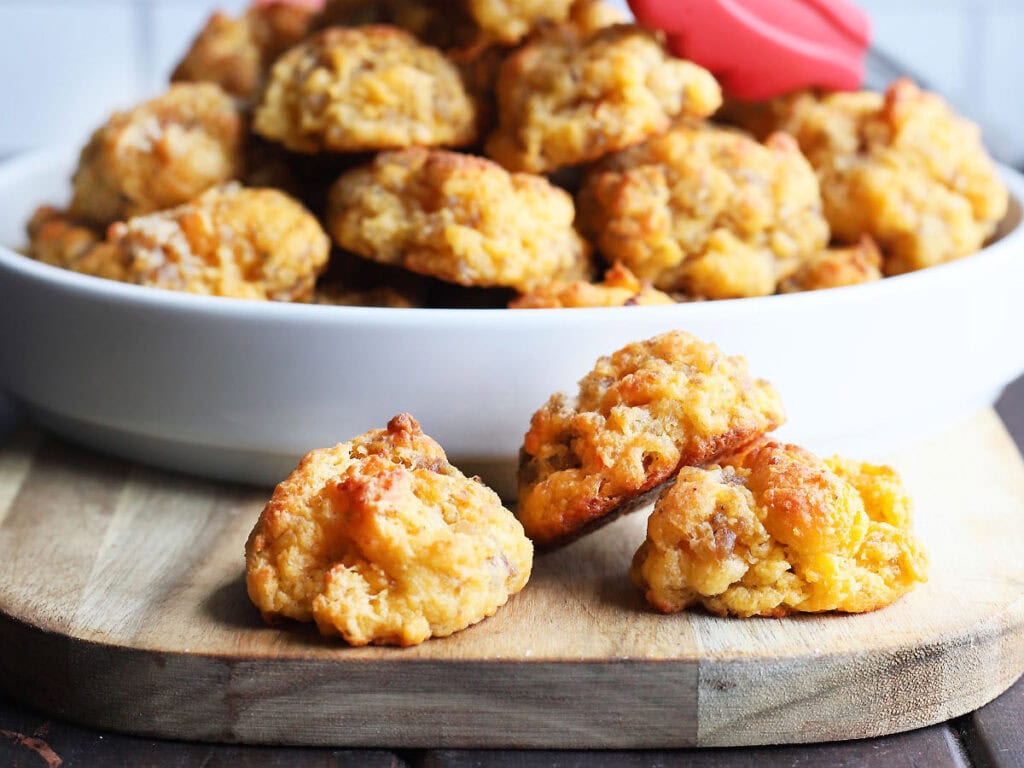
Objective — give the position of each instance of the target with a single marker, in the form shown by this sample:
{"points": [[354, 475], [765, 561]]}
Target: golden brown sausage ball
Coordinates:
{"points": [[159, 154], [236, 52], [780, 531], [459, 218], [566, 98], [364, 89], [231, 241], [706, 211], [901, 167], [381, 540]]}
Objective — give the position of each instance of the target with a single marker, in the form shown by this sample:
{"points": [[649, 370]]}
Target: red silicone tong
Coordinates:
{"points": [[763, 48]]}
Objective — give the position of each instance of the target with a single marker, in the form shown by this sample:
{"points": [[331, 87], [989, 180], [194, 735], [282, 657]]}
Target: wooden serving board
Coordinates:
{"points": [[122, 605]]}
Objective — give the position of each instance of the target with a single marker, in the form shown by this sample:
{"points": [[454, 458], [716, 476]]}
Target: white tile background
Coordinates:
{"points": [[64, 64]]}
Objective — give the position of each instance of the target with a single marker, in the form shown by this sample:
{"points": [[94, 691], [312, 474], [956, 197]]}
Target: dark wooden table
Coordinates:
{"points": [[992, 737]]}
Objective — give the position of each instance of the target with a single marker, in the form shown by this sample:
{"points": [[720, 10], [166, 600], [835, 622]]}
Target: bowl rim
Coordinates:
{"points": [[176, 302]]}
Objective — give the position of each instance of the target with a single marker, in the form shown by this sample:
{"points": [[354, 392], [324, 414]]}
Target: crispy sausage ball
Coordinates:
{"points": [[459, 218], [837, 267], [364, 89], [57, 238], [781, 531], [566, 98], [509, 21], [620, 288], [230, 241], [236, 52], [902, 168], [588, 16], [464, 24], [381, 540], [159, 154], [640, 415], [481, 64], [451, 23], [705, 210]]}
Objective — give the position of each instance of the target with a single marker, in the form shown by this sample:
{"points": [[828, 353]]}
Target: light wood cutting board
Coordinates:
{"points": [[122, 605]]}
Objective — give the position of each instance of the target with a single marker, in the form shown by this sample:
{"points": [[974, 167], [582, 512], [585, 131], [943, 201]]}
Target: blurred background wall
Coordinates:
{"points": [[67, 63]]}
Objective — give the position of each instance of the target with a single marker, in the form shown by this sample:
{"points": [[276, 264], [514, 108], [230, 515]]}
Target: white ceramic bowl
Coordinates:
{"points": [[239, 390]]}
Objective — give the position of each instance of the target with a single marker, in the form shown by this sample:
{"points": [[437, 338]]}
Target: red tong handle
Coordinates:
{"points": [[764, 48]]}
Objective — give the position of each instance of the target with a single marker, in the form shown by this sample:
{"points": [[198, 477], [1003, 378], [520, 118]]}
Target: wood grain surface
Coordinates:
{"points": [[122, 605]]}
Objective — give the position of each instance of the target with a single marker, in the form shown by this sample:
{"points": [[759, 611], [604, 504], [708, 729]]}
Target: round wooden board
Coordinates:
{"points": [[122, 605]]}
